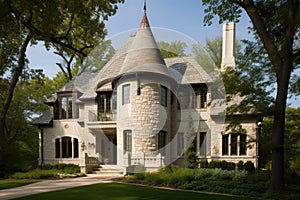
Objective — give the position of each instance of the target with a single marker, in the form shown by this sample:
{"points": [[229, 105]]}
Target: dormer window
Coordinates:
{"points": [[66, 107], [63, 108]]}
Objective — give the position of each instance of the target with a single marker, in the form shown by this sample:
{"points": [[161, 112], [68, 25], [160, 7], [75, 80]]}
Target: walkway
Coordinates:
{"points": [[52, 185]]}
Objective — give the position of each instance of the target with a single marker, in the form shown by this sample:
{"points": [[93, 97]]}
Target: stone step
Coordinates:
{"points": [[106, 170]]}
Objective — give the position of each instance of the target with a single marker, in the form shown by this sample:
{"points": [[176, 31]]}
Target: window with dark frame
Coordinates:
{"points": [[225, 144], [127, 139], [66, 107], [233, 144], [238, 144], [163, 96], [203, 98], [243, 145], [126, 94], [202, 143], [63, 147], [180, 143], [161, 142]]}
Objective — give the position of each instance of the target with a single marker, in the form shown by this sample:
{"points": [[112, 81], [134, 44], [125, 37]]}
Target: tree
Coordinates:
{"points": [[61, 24], [172, 49], [275, 24]]}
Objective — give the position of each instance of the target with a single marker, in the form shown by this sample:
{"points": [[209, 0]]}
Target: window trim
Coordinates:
{"points": [[123, 94], [163, 93], [234, 148], [127, 141], [70, 150]]}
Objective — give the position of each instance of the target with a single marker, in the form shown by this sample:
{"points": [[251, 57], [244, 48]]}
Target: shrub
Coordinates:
{"points": [[249, 166], [240, 165], [36, 174], [203, 164], [231, 166], [214, 164]]}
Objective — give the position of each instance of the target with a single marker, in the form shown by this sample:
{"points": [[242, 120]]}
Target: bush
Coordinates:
{"points": [[203, 164], [249, 166], [240, 165], [36, 174], [50, 171], [214, 164], [64, 168]]}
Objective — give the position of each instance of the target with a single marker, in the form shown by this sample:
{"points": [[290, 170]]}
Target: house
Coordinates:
{"points": [[143, 109]]}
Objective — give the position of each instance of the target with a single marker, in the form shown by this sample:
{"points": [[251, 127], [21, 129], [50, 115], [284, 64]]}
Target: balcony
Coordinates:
{"points": [[101, 120], [101, 117]]}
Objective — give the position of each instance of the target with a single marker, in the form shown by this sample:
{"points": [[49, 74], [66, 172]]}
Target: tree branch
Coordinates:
{"points": [[266, 39], [13, 83], [62, 69]]}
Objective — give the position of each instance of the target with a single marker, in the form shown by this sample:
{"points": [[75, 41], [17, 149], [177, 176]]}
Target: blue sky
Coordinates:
{"points": [[177, 15], [185, 17]]}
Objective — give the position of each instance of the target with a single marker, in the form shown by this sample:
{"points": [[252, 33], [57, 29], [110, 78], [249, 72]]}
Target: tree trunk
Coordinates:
{"points": [[277, 176], [17, 72]]}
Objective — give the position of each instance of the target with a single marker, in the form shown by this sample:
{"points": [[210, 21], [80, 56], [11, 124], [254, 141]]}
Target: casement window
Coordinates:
{"points": [[192, 99], [225, 147], [180, 143], [163, 96], [202, 143], [66, 147], [161, 142], [104, 103], [127, 139], [66, 107], [126, 94], [203, 97], [234, 144]]}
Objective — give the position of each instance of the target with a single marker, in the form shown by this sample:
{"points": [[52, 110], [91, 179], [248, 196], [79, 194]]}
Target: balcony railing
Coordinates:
{"points": [[94, 116]]}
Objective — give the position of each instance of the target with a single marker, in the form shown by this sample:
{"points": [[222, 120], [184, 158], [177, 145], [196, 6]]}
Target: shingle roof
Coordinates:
{"points": [[44, 120], [189, 69]]}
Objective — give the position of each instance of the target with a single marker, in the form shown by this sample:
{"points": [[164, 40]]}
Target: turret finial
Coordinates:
{"points": [[144, 23]]}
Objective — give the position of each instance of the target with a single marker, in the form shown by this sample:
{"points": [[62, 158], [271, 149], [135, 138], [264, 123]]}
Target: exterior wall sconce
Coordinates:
{"points": [[83, 147]]}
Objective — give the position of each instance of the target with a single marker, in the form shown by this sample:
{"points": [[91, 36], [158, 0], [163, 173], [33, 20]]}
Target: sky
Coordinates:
{"points": [[183, 17], [174, 15]]}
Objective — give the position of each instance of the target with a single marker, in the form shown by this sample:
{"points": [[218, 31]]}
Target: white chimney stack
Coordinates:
{"points": [[228, 59]]}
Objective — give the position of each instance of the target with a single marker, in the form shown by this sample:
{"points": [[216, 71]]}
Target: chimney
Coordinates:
{"points": [[228, 59]]}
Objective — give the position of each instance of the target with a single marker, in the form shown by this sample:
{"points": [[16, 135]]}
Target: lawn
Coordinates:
{"points": [[121, 191], [10, 183]]}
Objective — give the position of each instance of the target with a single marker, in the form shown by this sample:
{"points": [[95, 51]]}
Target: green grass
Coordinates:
{"points": [[119, 191], [8, 183]]}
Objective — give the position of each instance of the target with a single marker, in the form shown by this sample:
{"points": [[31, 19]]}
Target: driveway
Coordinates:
{"points": [[52, 185]]}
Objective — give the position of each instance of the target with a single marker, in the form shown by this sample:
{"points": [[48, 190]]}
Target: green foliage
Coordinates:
{"points": [[66, 168], [214, 164], [249, 166], [49, 171], [203, 164], [71, 28], [172, 49], [240, 165], [291, 138]]}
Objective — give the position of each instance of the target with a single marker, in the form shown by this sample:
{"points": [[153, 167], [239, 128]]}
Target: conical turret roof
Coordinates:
{"points": [[144, 50], [140, 53]]}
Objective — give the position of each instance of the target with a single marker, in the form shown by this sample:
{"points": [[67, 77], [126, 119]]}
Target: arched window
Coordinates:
{"points": [[66, 147]]}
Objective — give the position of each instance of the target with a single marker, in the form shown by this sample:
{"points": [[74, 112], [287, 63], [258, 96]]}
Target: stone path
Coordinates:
{"points": [[53, 185]]}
